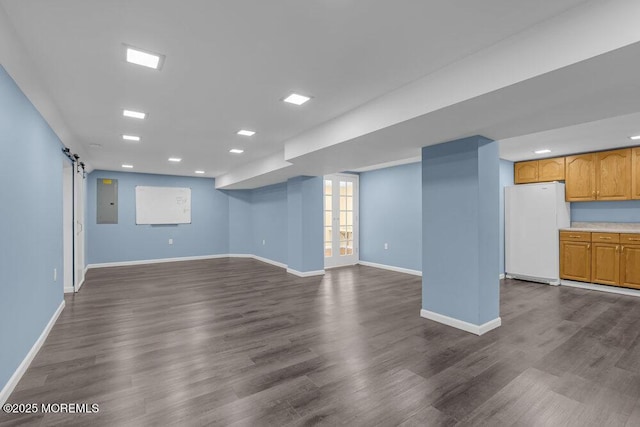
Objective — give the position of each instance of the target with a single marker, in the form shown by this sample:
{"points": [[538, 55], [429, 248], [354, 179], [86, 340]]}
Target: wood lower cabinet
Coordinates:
{"points": [[630, 266], [613, 175], [575, 260], [605, 263], [603, 258], [580, 178]]}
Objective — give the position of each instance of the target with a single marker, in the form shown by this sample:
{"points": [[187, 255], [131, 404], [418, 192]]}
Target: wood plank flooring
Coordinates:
{"points": [[239, 342]]}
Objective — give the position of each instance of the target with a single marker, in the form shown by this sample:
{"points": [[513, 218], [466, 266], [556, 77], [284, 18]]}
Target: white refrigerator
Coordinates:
{"points": [[534, 213]]}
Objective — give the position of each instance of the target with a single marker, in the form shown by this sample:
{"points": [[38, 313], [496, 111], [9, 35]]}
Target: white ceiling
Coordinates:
{"points": [[228, 64], [585, 137]]}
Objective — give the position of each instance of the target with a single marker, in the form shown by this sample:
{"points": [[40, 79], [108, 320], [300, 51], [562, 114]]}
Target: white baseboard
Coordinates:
{"points": [[601, 288], [155, 261], [70, 290], [305, 273], [269, 261], [240, 256], [17, 375], [331, 267], [84, 276], [546, 280], [391, 268], [501, 276], [194, 258], [461, 324]]}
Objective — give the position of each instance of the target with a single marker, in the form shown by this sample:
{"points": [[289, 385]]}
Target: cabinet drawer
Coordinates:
{"points": [[605, 237], [576, 236], [630, 239]]}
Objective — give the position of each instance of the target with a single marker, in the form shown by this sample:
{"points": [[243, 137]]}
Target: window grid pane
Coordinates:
{"points": [[328, 203]]}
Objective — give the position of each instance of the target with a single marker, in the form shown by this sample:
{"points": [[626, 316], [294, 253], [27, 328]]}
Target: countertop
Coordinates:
{"points": [[604, 227]]}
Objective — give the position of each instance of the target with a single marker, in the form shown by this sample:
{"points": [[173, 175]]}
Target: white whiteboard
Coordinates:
{"points": [[163, 205]]}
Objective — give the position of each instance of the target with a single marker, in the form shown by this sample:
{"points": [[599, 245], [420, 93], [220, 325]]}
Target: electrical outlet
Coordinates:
{"points": [[171, 241], [386, 246], [264, 242], [55, 274]]}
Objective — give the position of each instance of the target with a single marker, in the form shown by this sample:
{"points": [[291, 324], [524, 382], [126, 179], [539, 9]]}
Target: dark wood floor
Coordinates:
{"points": [[239, 342]]}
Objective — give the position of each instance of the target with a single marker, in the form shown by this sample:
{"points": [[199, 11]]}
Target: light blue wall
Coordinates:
{"points": [[313, 222], [460, 229], [622, 211], [489, 229], [391, 212], [269, 217], [30, 226], [208, 233], [294, 223], [223, 222], [506, 179], [305, 205], [240, 222]]}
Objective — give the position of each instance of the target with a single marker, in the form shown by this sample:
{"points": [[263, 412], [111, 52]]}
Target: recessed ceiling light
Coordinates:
{"points": [[175, 159], [131, 138], [296, 99], [244, 132], [134, 114], [545, 151], [127, 166], [236, 151], [635, 138], [146, 59], [199, 172]]}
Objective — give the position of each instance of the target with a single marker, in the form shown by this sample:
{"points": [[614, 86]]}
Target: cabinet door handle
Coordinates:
{"points": [[617, 248], [605, 238], [576, 236], [598, 193], [593, 193], [589, 246], [634, 240], [622, 248]]}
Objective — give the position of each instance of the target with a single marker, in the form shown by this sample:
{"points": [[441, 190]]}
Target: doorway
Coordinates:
{"points": [[67, 225], [73, 199], [340, 220], [78, 227]]}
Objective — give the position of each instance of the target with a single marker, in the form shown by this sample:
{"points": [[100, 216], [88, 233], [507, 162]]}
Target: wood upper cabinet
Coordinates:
{"points": [[551, 169], [525, 172], [575, 258], [635, 173], [613, 175], [605, 175], [580, 178], [544, 170]]}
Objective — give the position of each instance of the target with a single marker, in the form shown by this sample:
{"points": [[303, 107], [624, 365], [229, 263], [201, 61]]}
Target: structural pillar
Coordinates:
{"points": [[304, 217], [460, 234]]}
